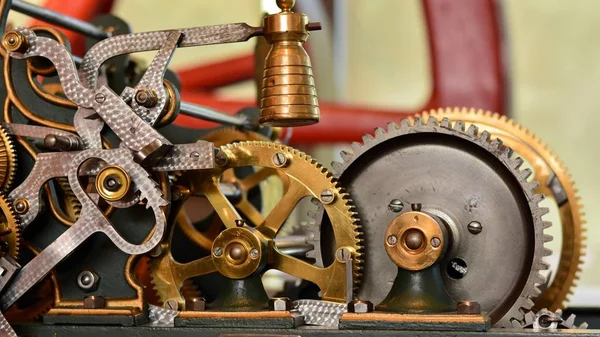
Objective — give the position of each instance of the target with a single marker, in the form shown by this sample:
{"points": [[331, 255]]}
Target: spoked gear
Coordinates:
{"points": [[555, 182], [305, 178], [10, 230], [8, 160], [462, 177]]}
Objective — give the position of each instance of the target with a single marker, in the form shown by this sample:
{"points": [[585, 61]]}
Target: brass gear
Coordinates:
{"points": [[8, 160], [550, 173], [10, 230], [306, 178], [270, 190]]}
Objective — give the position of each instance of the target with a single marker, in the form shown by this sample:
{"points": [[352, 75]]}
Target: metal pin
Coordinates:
{"points": [[208, 114]]}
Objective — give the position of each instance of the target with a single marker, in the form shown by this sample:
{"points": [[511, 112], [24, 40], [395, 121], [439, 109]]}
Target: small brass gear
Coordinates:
{"points": [[8, 160], [306, 178], [554, 181], [10, 230]]}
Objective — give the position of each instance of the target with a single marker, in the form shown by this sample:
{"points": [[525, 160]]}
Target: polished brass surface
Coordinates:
{"points": [[8, 160], [113, 183], [546, 165], [305, 178], [14, 41], [289, 97], [425, 318], [10, 232], [171, 109], [408, 240], [238, 252]]}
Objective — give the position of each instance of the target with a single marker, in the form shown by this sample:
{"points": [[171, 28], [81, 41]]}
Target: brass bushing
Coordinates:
{"points": [[14, 41], [414, 240], [237, 252], [113, 183]]}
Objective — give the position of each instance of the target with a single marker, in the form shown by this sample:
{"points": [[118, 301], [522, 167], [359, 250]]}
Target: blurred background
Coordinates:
{"points": [[375, 54]]}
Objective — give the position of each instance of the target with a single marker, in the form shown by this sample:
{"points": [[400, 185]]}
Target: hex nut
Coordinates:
{"points": [[468, 308], [94, 302], [88, 281], [195, 304], [360, 307], [280, 304]]}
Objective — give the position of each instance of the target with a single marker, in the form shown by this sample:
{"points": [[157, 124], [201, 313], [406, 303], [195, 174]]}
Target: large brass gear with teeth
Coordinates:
{"points": [[10, 231], [8, 160], [554, 182], [306, 178]]}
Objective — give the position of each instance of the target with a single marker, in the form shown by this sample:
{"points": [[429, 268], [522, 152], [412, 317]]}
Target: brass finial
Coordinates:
{"points": [[286, 5]]}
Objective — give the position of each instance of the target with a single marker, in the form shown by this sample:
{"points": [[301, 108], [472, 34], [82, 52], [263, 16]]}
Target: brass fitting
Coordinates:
{"points": [[113, 183], [14, 41], [289, 96]]}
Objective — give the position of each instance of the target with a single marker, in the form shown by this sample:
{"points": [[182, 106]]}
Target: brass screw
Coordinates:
{"points": [[14, 41], [280, 159], [21, 206], [327, 197]]}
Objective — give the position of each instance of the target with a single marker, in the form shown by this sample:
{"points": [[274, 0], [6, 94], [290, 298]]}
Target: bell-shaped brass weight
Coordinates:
{"points": [[289, 96]]}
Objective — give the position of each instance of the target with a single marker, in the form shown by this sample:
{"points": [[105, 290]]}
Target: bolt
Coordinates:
{"points": [[468, 308], [435, 242], [146, 98], [171, 304], [100, 98], [414, 239], [195, 304], [87, 280], [279, 159], [280, 304], [396, 206], [327, 197], [240, 222], [218, 251], [195, 156], [21, 206], [343, 254], [474, 227], [221, 158], [94, 302], [360, 307], [392, 240], [254, 253], [415, 207]]}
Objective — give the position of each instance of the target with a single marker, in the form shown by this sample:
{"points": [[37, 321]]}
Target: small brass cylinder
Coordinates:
{"points": [[289, 96]]}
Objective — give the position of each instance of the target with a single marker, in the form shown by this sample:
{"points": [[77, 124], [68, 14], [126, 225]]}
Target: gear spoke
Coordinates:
{"points": [[282, 210], [222, 206], [246, 208], [256, 178], [202, 266]]}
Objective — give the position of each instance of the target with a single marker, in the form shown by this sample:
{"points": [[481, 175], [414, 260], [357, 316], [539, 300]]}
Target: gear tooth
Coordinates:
{"points": [[525, 173], [547, 224], [418, 122], [391, 127], [346, 155], [472, 130], [445, 123], [583, 326], [432, 121], [484, 136], [380, 131], [405, 124], [507, 151], [337, 166], [543, 210], [548, 237], [496, 145], [459, 126], [355, 146], [547, 252], [570, 320], [516, 163]]}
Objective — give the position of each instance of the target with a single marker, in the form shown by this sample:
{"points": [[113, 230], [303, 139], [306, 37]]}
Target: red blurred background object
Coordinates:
{"points": [[465, 44]]}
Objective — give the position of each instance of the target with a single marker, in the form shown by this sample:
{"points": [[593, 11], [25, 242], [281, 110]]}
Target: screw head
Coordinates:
{"points": [[343, 254], [468, 308], [396, 206], [171, 304], [280, 304], [100, 98], [156, 251], [14, 41], [195, 156], [254, 254], [195, 304], [21, 206], [280, 159], [146, 98], [416, 207], [435, 242], [327, 197], [360, 307], [217, 251], [392, 240], [240, 222], [221, 158], [474, 227]]}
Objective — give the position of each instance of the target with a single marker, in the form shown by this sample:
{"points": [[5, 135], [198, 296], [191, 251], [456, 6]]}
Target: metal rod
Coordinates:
{"points": [[208, 114], [58, 19]]}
